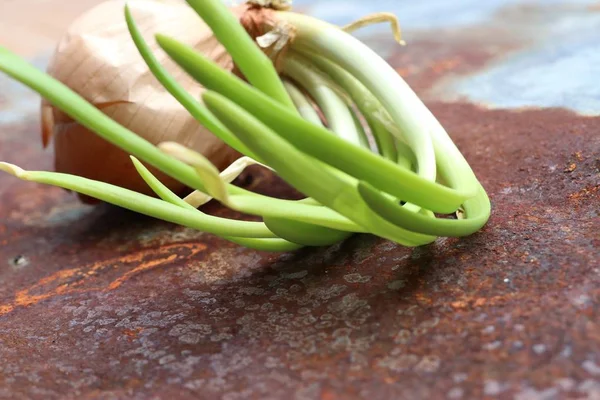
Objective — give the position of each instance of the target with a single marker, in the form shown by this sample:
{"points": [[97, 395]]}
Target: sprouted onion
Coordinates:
{"points": [[306, 87], [97, 59]]}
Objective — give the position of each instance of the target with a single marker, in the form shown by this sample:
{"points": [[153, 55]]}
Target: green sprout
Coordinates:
{"points": [[303, 123]]}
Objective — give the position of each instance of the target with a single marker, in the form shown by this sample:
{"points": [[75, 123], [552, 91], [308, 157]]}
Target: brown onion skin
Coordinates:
{"points": [[79, 151]]}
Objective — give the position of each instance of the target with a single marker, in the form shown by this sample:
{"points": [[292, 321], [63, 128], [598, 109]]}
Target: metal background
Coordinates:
{"points": [[100, 303]]}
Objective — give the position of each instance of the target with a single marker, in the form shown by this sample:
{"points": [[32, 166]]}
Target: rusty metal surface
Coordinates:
{"points": [[99, 303]]}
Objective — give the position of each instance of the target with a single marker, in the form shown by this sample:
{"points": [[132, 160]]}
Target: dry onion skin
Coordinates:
{"points": [[307, 100], [97, 59]]}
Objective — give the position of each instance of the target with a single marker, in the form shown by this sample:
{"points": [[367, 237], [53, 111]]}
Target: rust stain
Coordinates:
{"points": [[468, 302], [144, 267], [447, 65], [423, 298], [433, 68], [69, 281], [132, 334], [5, 309], [509, 312], [571, 167], [585, 194], [522, 291]]}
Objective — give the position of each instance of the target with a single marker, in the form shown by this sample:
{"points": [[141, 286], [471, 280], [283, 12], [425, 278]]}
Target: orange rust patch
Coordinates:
{"points": [[470, 302], [144, 267], [446, 65], [132, 333], [5, 309], [422, 298], [571, 167], [71, 281], [585, 194], [461, 304], [404, 72], [328, 395]]}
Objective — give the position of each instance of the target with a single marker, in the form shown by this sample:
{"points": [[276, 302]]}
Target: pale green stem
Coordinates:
{"points": [[376, 116], [197, 198], [256, 66], [406, 157], [143, 204], [303, 105], [360, 129], [167, 195], [317, 141], [192, 105], [322, 90], [406, 109], [422, 131], [335, 191]]}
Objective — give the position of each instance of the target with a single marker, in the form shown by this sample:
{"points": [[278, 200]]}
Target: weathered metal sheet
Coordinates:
{"points": [[99, 303]]}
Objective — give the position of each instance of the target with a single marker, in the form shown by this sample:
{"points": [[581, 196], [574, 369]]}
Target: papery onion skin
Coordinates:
{"points": [[97, 59]]}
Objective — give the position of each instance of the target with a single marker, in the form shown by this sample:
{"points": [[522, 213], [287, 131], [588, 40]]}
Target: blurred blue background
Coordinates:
{"points": [[555, 62]]}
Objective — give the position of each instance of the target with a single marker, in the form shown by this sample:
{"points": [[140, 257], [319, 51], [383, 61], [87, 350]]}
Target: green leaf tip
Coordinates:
{"points": [[209, 174]]}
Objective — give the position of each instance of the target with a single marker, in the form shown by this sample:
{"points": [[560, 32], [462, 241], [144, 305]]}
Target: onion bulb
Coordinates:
{"points": [[97, 59]]}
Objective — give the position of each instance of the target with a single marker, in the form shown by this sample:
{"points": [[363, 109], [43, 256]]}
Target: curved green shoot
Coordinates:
{"points": [[406, 158], [337, 192], [316, 141], [254, 64], [406, 109], [143, 204], [303, 105], [210, 175], [404, 106], [376, 116], [192, 105], [197, 198], [167, 195], [305, 234], [362, 135], [321, 89], [304, 213], [159, 188], [477, 215]]}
